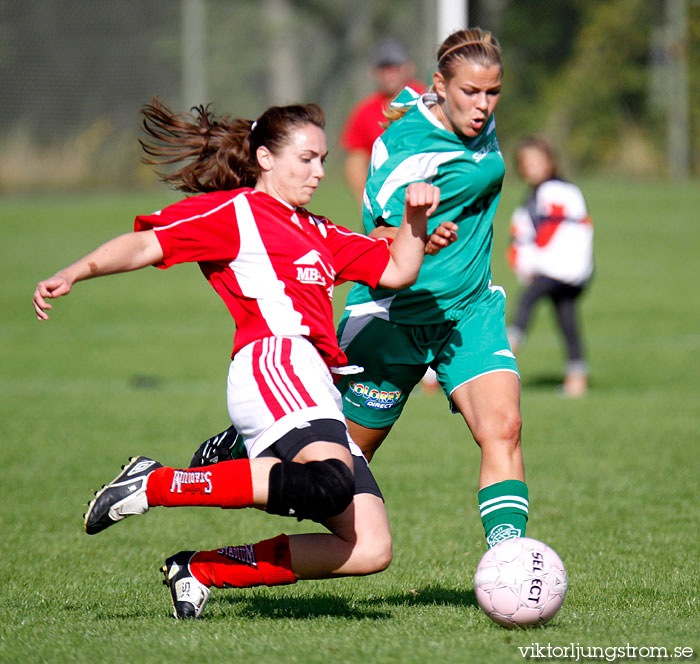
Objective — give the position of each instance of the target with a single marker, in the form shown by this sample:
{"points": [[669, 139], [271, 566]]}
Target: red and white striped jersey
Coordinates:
{"points": [[273, 265], [552, 236]]}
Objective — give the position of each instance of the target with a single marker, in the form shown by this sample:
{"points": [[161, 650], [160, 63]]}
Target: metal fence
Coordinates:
{"points": [[73, 74]]}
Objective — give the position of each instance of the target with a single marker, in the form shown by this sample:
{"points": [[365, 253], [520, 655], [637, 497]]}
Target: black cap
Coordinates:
{"points": [[388, 53]]}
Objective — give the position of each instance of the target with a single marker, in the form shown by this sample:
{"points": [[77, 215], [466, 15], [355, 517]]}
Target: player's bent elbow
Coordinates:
{"points": [[398, 279], [398, 284]]}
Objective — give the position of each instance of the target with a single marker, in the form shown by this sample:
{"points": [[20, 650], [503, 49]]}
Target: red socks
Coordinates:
{"points": [[226, 484], [265, 563]]}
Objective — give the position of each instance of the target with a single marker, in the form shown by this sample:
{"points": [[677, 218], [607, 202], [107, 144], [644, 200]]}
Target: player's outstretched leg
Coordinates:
{"points": [[123, 496], [145, 483], [225, 446], [191, 574]]}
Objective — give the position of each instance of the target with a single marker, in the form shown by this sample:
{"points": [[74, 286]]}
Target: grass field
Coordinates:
{"points": [[137, 364]]}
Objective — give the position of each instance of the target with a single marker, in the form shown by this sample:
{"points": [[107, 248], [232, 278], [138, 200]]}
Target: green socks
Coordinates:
{"points": [[503, 507]]}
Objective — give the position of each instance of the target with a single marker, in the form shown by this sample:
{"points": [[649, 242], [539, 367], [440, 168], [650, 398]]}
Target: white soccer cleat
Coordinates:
{"points": [[189, 595]]}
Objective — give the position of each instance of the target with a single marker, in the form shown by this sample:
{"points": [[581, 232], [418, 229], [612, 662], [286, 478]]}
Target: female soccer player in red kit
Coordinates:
{"points": [[274, 264]]}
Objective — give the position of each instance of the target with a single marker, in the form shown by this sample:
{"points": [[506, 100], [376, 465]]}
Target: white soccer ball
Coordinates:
{"points": [[520, 582]]}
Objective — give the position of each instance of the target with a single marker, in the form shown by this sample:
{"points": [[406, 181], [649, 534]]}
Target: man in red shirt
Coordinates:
{"points": [[392, 70]]}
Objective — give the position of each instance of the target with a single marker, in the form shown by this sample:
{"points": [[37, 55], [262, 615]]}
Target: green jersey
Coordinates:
{"points": [[469, 173]]}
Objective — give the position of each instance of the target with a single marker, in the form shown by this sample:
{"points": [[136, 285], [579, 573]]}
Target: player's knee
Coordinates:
{"points": [[336, 486], [500, 431], [374, 555], [315, 490], [511, 427], [383, 554]]}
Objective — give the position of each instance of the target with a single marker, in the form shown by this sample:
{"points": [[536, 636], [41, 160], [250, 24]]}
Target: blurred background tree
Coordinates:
{"points": [[615, 83]]}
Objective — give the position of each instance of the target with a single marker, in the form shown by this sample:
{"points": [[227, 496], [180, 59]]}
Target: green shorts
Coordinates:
{"points": [[395, 357]]}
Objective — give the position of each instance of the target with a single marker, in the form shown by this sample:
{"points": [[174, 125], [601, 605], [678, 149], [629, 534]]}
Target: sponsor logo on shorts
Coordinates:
{"points": [[374, 398], [191, 480], [503, 532]]}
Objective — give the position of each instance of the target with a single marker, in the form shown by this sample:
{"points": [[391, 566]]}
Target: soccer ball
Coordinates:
{"points": [[520, 582]]}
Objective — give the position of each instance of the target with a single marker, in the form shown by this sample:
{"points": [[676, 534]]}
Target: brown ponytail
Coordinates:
{"points": [[219, 151]]}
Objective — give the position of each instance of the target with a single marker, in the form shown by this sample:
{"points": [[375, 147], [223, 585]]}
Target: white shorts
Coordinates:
{"points": [[276, 384]]}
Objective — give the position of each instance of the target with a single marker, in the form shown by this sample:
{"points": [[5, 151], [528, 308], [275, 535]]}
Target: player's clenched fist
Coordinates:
{"points": [[423, 195]]}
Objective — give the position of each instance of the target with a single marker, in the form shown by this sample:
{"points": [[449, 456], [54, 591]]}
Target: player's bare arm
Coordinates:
{"points": [[124, 253], [444, 235], [408, 247]]}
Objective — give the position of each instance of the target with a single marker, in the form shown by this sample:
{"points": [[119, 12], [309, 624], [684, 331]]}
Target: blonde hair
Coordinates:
{"points": [[470, 45]]}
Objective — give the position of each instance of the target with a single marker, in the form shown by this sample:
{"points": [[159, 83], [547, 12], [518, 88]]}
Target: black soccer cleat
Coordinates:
{"points": [[225, 446], [189, 596], [123, 496]]}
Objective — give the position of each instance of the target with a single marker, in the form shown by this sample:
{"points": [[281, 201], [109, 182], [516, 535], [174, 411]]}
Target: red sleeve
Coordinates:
{"points": [[357, 257], [198, 229]]}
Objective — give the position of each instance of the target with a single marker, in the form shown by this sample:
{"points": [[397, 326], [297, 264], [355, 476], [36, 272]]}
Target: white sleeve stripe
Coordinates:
{"points": [[415, 168], [196, 216], [370, 240]]}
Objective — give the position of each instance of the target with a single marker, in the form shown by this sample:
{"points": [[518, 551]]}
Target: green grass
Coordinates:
{"points": [[137, 364]]}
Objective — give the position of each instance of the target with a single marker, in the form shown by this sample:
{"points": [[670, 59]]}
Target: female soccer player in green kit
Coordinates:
{"points": [[452, 318]]}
